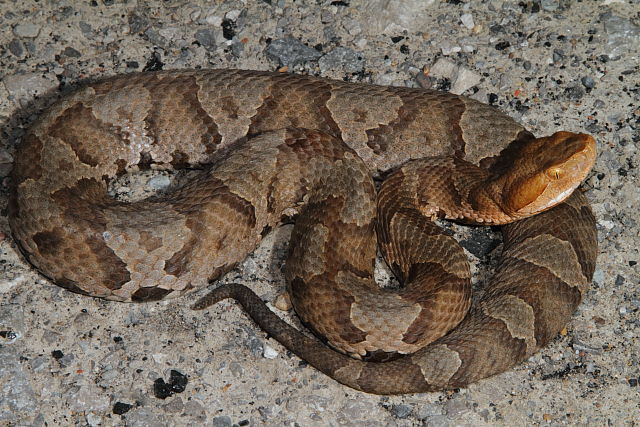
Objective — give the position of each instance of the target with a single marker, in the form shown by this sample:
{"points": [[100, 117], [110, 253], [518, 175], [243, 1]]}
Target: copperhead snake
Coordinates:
{"points": [[268, 144]]}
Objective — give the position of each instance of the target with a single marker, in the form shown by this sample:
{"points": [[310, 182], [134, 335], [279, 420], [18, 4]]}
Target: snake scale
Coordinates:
{"points": [[271, 144]]}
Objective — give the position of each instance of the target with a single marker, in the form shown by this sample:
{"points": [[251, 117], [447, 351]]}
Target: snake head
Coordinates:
{"points": [[547, 171]]}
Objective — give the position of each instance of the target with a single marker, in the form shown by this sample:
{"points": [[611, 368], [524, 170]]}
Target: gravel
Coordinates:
{"points": [[552, 64], [291, 52]]}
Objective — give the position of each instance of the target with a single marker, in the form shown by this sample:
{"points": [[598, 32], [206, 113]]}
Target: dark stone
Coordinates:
{"points": [[481, 241], [574, 93], [291, 52], [16, 47], [57, 354], [401, 411], [121, 408], [228, 29], [178, 380], [137, 23], [588, 82], [154, 63], [177, 384], [206, 38], [71, 52]]}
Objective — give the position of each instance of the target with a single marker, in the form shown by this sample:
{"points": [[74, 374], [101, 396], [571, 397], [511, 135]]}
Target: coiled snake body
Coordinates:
{"points": [[267, 143]]}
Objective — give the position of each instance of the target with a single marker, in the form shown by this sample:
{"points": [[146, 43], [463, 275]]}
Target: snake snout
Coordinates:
{"points": [[582, 157]]}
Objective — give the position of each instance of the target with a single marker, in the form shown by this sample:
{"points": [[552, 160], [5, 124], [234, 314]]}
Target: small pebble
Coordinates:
{"points": [[93, 420], [291, 52], [342, 58], [27, 30], [86, 28], [233, 15], [177, 384], [71, 52], [121, 408], [574, 93], [467, 21], [236, 369], [557, 57], [269, 352], [326, 17], [401, 411], [587, 82], [159, 182], [352, 26], [222, 421], [206, 38], [16, 47], [283, 302], [585, 348], [448, 49]]}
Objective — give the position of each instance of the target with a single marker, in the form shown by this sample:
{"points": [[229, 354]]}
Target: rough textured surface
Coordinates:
{"points": [[552, 65]]}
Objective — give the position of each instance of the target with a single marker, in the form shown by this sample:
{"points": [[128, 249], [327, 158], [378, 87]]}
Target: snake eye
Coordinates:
{"points": [[554, 173]]}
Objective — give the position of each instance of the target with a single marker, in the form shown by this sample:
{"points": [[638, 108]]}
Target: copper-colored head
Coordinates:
{"points": [[549, 169]]}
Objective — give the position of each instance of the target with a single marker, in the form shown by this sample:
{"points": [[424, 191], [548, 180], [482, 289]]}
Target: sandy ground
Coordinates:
{"points": [[72, 360]]}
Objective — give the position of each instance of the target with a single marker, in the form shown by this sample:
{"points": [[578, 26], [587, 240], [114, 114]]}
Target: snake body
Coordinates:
{"points": [[267, 144]]}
